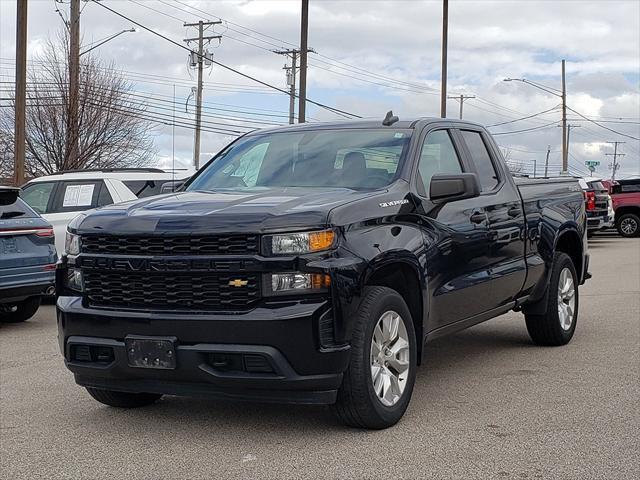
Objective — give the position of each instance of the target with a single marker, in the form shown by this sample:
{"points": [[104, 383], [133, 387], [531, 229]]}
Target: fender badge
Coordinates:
{"points": [[393, 203], [238, 283]]}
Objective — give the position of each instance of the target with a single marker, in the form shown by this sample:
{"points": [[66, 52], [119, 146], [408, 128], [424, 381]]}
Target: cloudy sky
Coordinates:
{"points": [[373, 56]]}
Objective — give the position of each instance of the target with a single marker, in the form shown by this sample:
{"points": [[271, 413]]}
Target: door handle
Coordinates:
{"points": [[478, 217], [514, 211]]}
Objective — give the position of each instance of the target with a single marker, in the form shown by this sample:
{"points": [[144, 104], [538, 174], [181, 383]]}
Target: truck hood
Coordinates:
{"points": [[220, 211]]}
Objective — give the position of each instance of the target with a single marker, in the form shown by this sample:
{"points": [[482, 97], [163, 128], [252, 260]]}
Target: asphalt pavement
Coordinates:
{"points": [[487, 404]]}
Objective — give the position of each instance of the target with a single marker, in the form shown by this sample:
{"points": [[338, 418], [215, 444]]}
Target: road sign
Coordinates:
{"points": [[592, 163]]}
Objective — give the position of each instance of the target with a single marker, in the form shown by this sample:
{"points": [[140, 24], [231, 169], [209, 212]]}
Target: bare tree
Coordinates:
{"points": [[113, 127]]}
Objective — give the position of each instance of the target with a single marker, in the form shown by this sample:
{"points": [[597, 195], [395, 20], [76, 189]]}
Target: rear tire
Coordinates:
{"points": [[554, 328], [628, 225], [362, 401], [21, 311], [123, 399]]}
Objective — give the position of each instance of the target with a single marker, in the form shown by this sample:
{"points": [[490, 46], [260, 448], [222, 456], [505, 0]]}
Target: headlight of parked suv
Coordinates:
{"points": [[299, 243], [72, 244]]}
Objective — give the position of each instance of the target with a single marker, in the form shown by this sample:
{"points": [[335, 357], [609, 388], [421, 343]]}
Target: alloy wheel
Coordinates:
{"points": [[566, 299], [390, 358]]}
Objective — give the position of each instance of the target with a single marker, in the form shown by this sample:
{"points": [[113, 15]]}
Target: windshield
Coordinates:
{"points": [[358, 159]]}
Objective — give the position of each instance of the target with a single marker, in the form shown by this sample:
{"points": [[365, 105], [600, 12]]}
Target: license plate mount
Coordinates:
{"points": [[151, 352]]}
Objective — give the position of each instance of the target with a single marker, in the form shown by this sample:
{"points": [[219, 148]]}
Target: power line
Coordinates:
{"points": [[335, 110], [332, 62], [524, 118], [602, 126], [541, 127]]}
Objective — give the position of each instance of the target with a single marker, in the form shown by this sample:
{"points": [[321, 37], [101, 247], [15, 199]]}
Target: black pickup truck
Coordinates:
{"points": [[312, 263]]}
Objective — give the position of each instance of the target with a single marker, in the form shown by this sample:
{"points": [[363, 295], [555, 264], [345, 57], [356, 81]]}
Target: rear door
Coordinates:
{"points": [[501, 202]]}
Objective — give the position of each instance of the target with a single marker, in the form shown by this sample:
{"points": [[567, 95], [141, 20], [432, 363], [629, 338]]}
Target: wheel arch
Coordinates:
{"points": [[570, 242], [404, 277]]}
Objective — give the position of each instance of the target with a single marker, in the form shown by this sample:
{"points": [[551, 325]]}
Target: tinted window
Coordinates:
{"points": [[13, 207], [482, 160], [596, 186], [366, 158], [145, 188], [76, 196], [37, 195], [438, 155], [104, 198]]}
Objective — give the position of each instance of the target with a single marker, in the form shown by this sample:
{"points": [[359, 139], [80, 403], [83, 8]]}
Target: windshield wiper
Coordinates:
{"points": [[11, 214]]}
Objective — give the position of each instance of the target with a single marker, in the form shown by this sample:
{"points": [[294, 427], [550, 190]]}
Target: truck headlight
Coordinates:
{"points": [[299, 243], [295, 282], [72, 244], [74, 280]]}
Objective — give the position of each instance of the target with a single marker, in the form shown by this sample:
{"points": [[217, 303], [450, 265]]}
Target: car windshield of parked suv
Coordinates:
{"points": [[350, 158]]}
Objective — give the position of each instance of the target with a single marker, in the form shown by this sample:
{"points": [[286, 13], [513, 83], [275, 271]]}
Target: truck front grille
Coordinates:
{"points": [[236, 244], [193, 292]]}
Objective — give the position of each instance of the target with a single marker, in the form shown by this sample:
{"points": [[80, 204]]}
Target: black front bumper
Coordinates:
{"points": [[284, 335]]}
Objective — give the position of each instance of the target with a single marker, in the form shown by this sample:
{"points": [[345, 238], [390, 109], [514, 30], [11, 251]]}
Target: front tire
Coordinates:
{"points": [[378, 383], [628, 225], [123, 399], [20, 312], [557, 325]]}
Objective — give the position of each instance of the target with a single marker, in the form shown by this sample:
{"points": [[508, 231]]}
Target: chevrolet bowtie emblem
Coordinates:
{"points": [[238, 283]]}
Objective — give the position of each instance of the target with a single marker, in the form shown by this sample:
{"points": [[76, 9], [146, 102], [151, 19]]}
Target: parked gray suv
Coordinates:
{"points": [[27, 258]]}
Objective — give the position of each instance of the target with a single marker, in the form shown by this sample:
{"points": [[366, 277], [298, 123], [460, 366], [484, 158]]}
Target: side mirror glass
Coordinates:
{"points": [[448, 188]]}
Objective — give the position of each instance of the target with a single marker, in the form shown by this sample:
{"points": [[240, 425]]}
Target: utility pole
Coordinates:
{"points": [[304, 37], [565, 142], [461, 99], [443, 81], [200, 62], [21, 93], [291, 79], [74, 84], [546, 162], [615, 165]]}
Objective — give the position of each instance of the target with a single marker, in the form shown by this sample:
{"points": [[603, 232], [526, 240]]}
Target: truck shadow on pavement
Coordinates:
{"points": [[445, 358]]}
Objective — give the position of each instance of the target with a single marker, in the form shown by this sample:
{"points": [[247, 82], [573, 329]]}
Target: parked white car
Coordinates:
{"points": [[62, 196]]}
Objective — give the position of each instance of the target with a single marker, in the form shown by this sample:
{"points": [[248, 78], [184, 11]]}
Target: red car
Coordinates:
{"points": [[625, 195]]}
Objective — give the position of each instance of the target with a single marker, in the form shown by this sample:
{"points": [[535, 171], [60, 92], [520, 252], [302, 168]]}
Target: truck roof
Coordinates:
{"points": [[404, 123]]}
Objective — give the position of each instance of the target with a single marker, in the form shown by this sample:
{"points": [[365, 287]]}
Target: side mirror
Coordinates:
{"points": [[447, 188]]}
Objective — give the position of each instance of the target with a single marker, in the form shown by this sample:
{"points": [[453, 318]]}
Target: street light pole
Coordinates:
{"points": [[563, 95], [565, 139], [443, 81], [108, 39]]}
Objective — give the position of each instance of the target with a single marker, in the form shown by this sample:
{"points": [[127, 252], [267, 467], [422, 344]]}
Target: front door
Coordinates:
{"points": [[457, 237]]}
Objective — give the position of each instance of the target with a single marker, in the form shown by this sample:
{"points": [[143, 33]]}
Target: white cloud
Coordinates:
{"points": [[488, 41]]}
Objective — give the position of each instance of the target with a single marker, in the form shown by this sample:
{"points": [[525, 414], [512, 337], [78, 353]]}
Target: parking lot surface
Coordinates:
{"points": [[487, 404]]}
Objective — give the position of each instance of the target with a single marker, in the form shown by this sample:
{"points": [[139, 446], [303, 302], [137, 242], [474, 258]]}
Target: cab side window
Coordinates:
{"points": [[482, 160], [438, 155]]}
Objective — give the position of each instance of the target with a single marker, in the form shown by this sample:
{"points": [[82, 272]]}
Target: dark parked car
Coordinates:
{"points": [[27, 258], [311, 263]]}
